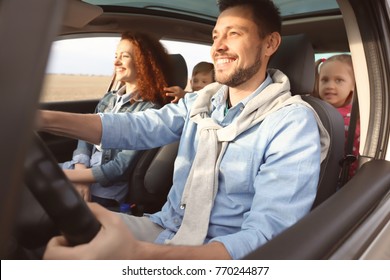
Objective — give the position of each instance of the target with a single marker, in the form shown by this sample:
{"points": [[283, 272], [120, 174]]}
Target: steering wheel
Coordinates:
{"points": [[57, 196]]}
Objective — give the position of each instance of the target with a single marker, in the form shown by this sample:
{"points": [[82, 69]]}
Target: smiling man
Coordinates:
{"points": [[248, 161]]}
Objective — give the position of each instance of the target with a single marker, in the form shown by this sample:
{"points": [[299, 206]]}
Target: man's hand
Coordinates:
{"points": [[114, 241]]}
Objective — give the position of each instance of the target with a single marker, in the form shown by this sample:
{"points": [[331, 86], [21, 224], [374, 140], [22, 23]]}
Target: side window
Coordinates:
{"points": [[79, 69], [82, 68], [325, 55]]}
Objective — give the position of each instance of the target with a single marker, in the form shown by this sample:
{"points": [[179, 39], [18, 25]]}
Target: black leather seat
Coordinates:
{"points": [[295, 58], [151, 178], [180, 71]]}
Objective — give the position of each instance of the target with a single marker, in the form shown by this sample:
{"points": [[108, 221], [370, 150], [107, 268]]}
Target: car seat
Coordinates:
{"points": [[295, 58], [151, 178], [180, 71]]}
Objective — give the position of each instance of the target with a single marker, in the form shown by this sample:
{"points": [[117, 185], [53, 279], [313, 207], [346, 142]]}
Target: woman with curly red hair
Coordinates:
{"points": [[142, 66]]}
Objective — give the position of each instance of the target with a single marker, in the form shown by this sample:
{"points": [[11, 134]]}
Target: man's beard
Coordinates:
{"points": [[241, 75]]}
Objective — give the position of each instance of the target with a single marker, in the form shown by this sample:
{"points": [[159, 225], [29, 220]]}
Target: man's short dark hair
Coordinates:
{"points": [[265, 14]]}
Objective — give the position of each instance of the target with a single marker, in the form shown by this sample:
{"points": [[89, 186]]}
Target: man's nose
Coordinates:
{"points": [[219, 44]]}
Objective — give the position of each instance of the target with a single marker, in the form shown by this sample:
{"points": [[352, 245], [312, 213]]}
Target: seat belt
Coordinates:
{"points": [[349, 157]]}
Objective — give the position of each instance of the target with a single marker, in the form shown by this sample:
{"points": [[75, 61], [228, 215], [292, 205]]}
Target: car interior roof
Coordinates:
{"points": [[95, 19]]}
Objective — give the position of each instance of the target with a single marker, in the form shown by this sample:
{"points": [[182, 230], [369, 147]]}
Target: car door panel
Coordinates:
{"points": [[341, 215]]}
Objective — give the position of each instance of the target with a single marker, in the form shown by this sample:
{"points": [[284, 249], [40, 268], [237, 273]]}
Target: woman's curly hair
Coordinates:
{"points": [[153, 66]]}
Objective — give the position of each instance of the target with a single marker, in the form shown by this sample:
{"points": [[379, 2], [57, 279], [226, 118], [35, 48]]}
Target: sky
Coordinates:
{"points": [[95, 56]]}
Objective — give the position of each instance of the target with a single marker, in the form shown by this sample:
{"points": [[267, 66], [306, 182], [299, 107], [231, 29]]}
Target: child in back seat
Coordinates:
{"points": [[202, 75], [335, 84]]}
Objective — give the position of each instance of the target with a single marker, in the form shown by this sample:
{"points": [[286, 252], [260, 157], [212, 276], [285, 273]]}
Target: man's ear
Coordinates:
{"points": [[272, 43]]}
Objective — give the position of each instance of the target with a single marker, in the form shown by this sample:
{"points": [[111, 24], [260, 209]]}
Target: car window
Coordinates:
{"points": [[81, 68], [326, 55]]}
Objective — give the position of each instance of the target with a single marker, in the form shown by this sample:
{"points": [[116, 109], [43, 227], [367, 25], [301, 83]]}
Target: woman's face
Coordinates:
{"points": [[124, 63], [336, 83]]}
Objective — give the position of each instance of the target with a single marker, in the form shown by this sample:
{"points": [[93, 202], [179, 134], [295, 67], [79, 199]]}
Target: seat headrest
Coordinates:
{"points": [[180, 72], [295, 58]]}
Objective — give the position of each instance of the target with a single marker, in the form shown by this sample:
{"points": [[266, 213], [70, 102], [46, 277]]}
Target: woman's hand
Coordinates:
{"points": [[84, 191]]}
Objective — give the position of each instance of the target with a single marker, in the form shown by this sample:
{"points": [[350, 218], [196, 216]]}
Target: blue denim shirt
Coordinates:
{"points": [[110, 167], [267, 177]]}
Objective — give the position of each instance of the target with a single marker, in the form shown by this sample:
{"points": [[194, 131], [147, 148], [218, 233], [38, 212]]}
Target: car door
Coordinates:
{"points": [[21, 78]]}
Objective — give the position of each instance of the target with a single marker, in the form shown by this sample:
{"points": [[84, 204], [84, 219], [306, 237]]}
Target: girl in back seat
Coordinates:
{"points": [[335, 84]]}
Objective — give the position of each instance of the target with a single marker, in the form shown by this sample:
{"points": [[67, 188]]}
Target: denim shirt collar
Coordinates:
{"points": [[127, 96]]}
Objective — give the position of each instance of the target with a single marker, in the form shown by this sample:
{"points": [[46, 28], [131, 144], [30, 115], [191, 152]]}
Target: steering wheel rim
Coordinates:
{"points": [[57, 196]]}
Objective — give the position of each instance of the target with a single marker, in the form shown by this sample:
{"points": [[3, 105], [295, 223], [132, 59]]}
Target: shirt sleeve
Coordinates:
{"points": [[286, 182], [145, 130], [82, 154]]}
